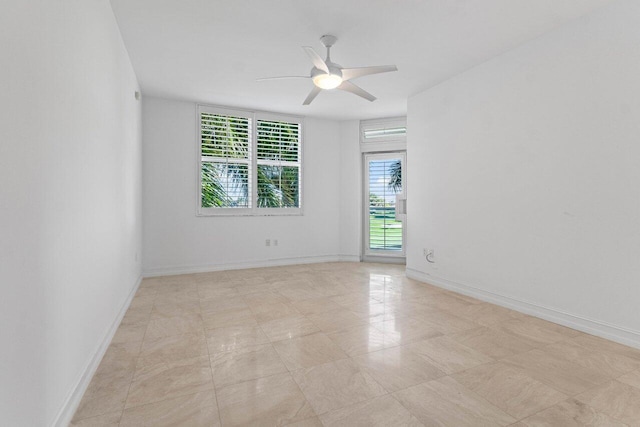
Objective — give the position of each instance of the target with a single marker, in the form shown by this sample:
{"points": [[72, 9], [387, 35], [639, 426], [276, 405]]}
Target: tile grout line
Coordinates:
{"points": [[206, 343], [135, 368]]}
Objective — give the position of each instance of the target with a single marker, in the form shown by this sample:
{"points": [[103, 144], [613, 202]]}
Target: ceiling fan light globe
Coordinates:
{"points": [[327, 81]]}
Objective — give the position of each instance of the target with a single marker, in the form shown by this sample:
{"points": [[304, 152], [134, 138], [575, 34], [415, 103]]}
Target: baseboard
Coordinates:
{"points": [[274, 262], [75, 396], [349, 258], [594, 327]]}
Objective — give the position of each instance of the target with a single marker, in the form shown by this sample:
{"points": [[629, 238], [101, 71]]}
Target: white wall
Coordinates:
{"points": [[70, 179], [176, 240], [350, 191], [524, 176]]}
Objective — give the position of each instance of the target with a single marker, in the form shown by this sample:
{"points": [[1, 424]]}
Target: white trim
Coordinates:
{"points": [[376, 147], [594, 327], [367, 251], [72, 401], [349, 258], [384, 259], [272, 262]]}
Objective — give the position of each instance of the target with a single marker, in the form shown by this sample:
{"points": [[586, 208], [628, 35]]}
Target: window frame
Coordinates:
{"points": [[394, 142], [254, 116]]}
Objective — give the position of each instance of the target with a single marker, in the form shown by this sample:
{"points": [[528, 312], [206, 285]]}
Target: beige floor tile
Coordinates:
{"points": [[142, 301], [309, 422], [374, 312], [194, 410], [120, 358], [216, 305], [214, 291], [599, 344], [401, 334], [129, 333], [509, 389], [398, 368], [288, 327], [447, 301], [234, 337], [144, 291], [337, 320], [570, 413], [264, 298], [107, 420], [380, 411], [632, 379], [173, 348], [254, 288], [493, 343], [222, 319], [316, 305], [177, 297], [446, 323], [537, 330], [335, 385], [106, 393], [357, 298], [407, 330], [448, 355], [178, 325], [271, 401], [559, 373], [245, 364], [175, 309], [137, 315], [176, 279], [298, 291], [162, 381], [364, 339], [330, 289], [266, 312], [308, 351], [486, 314], [445, 402], [176, 284], [618, 400], [609, 363]]}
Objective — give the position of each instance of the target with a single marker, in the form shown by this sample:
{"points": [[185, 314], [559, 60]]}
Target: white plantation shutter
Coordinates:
{"points": [[384, 132], [225, 160], [278, 164], [383, 135], [250, 163]]}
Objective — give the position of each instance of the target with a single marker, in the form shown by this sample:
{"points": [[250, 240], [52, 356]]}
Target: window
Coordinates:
{"points": [[250, 163], [384, 130]]}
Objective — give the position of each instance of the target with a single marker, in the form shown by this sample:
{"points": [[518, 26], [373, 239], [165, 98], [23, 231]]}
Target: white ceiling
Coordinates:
{"points": [[212, 51]]}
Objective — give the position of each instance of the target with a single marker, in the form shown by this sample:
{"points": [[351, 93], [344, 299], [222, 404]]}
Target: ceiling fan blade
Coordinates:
{"points": [[314, 92], [317, 60], [282, 77], [352, 73], [357, 90]]}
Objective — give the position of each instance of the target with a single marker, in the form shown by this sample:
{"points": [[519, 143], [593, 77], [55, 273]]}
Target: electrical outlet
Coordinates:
{"points": [[267, 242], [275, 242], [429, 255]]}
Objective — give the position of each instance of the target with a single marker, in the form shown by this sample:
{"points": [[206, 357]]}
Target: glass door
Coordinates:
{"points": [[384, 183]]}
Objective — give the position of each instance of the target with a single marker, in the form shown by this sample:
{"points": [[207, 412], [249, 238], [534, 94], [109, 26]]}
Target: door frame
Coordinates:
{"points": [[376, 255]]}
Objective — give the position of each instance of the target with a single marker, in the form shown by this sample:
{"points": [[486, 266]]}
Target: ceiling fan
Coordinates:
{"points": [[328, 75]]}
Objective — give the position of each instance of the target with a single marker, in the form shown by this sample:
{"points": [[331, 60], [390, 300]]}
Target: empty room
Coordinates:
{"points": [[319, 213]]}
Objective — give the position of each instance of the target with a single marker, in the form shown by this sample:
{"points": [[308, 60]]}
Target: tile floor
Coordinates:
{"points": [[348, 344]]}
